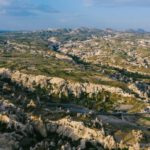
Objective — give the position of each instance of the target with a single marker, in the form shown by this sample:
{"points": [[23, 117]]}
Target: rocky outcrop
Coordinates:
{"points": [[37, 127], [4, 118], [77, 131], [59, 86], [63, 57]]}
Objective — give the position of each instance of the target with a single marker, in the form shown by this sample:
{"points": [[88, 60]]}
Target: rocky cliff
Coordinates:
{"points": [[59, 86]]}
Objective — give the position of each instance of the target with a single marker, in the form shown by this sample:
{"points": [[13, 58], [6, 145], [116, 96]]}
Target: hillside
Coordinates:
{"points": [[75, 89]]}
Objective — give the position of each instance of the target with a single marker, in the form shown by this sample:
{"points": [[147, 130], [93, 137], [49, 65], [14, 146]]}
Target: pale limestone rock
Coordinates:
{"points": [[31, 104], [5, 73], [83, 144], [63, 57], [39, 126], [59, 86], [76, 130], [4, 119]]}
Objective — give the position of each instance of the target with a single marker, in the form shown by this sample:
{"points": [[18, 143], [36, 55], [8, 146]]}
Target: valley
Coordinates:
{"points": [[72, 89]]}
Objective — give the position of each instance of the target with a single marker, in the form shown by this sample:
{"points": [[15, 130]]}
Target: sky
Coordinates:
{"points": [[43, 14]]}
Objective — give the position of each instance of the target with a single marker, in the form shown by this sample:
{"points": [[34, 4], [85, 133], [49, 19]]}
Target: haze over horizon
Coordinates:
{"points": [[37, 14]]}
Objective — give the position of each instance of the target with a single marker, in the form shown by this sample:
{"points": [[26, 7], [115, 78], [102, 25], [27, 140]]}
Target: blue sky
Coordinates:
{"points": [[43, 14]]}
